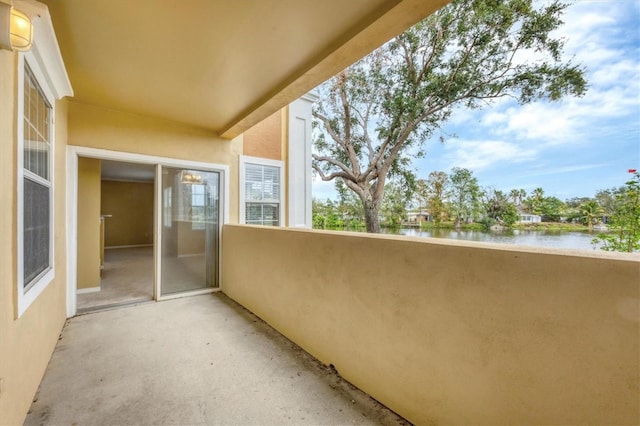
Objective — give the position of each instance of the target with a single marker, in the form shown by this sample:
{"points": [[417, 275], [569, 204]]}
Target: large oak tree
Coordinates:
{"points": [[375, 115]]}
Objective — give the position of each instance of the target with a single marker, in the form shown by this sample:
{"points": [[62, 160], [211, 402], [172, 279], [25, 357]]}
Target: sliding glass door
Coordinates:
{"points": [[190, 230]]}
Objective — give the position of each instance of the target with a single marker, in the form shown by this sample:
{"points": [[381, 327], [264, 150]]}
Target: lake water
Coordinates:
{"points": [[555, 239]]}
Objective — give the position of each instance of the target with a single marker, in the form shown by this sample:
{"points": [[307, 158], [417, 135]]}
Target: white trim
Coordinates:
{"points": [[299, 161], [181, 294], [73, 152], [26, 298], [157, 233], [310, 96], [46, 48], [245, 159], [72, 230], [147, 181], [88, 290]]}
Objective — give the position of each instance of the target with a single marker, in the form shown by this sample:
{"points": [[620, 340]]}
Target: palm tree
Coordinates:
{"points": [[534, 202], [590, 212], [514, 194], [521, 196]]}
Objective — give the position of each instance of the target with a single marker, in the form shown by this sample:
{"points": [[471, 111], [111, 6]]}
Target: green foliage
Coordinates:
{"points": [[609, 199], [373, 118], [533, 203], [517, 196], [394, 205], [438, 186], [465, 203], [487, 222], [500, 209], [625, 220], [590, 213], [552, 209], [576, 202]]}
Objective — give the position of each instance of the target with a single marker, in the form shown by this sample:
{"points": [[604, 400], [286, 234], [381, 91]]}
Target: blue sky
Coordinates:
{"points": [[570, 148]]}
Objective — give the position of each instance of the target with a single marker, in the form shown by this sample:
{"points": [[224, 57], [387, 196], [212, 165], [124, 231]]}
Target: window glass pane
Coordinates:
{"points": [[198, 213], [262, 193], [262, 182], [35, 230], [270, 214], [253, 182], [253, 214], [262, 214], [167, 202], [37, 117]]}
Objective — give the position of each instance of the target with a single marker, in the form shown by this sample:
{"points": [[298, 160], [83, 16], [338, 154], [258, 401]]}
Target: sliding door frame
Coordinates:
{"points": [[73, 152]]}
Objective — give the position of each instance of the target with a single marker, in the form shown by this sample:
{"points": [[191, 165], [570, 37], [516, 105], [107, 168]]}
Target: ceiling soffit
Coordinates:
{"points": [[217, 64]]}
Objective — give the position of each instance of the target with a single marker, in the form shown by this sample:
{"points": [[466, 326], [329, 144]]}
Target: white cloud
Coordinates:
{"points": [[479, 154], [623, 73]]}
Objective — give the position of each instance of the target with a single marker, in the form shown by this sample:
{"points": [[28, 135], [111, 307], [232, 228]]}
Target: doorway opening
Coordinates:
{"points": [[141, 227], [121, 195]]}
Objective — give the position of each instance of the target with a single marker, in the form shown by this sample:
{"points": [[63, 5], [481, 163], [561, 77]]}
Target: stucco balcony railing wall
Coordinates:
{"points": [[450, 332]]}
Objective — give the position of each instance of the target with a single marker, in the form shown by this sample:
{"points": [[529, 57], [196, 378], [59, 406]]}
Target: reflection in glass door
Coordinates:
{"points": [[190, 230]]}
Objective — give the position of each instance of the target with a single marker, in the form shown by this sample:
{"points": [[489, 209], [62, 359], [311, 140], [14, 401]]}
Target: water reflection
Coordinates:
{"points": [[555, 239]]}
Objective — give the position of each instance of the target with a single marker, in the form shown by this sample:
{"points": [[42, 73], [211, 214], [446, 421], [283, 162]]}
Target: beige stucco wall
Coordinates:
{"points": [[130, 205], [88, 269], [264, 140], [26, 343], [449, 332], [97, 127]]}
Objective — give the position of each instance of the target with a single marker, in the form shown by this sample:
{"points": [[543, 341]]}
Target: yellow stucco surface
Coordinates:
{"points": [[264, 140], [130, 205], [26, 343], [88, 268], [102, 128], [451, 333]]}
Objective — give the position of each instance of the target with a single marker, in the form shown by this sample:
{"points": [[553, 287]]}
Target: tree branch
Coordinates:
{"points": [[327, 126], [333, 162], [353, 157]]}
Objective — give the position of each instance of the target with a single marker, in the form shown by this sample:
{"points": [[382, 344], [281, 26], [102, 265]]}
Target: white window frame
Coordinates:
{"points": [[244, 160], [26, 298]]}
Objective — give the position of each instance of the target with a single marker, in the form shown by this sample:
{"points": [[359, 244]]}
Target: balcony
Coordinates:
{"points": [[442, 332], [196, 360]]}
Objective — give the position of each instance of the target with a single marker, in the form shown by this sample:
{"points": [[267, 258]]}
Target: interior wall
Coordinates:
{"points": [[26, 343], [447, 332], [264, 140], [130, 205], [103, 128], [89, 248]]}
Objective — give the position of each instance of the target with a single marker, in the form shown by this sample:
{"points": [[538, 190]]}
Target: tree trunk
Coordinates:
{"points": [[371, 217]]}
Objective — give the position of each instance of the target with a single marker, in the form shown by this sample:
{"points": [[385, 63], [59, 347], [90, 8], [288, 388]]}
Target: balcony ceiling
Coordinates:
{"points": [[222, 65]]}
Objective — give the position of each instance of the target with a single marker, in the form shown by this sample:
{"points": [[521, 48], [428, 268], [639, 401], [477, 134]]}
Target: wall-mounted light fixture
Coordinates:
{"points": [[16, 30]]}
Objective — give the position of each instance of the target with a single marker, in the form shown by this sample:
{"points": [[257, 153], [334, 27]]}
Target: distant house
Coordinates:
{"points": [[418, 216], [529, 218]]}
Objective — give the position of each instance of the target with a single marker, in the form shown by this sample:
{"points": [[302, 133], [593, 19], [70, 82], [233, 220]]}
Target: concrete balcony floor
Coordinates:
{"points": [[194, 360]]}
